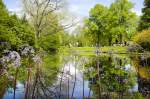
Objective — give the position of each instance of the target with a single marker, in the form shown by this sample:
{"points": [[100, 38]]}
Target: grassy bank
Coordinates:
{"points": [[107, 49], [92, 50]]}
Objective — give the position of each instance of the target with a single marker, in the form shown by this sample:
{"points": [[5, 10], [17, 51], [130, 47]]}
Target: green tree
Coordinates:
{"points": [[50, 38], [81, 37], [96, 25], [65, 39], [145, 18], [143, 39], [13, 31], [38, 11], [107, 25], [3, 10], [123, 20]]}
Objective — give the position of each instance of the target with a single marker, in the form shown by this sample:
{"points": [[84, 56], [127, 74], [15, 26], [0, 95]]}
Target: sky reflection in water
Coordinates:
{"points": [[119, 76]]}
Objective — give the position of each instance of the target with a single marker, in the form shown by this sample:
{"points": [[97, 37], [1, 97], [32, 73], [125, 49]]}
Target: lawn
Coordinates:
{"points": [[108, 49]]}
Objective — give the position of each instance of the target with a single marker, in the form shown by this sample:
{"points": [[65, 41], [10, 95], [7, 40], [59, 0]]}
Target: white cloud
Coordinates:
{"points": [[138, 12], [14, 6]]}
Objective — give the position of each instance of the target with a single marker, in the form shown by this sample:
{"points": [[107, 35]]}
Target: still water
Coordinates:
{"points": [[104, 76]]}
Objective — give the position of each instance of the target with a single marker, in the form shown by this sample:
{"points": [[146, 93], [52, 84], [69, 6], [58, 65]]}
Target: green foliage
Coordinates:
{"points": [[113, 78], [3, 10], [13, 30], [50, 43], [50, 38], [3, 84], [97, 24], [83, 36], [144, 22], [143, 39], [16, 33], [65, 39], [70, 40], [106, 25], [123, 20], [134, 48], [137, 95]]}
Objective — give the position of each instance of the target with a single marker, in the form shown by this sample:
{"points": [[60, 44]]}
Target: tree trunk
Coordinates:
{"points": [[110, 41], [120, 38]]}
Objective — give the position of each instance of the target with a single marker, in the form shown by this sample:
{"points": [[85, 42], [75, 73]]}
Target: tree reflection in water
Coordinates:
{"points": [[142, 66], [104, 76]]}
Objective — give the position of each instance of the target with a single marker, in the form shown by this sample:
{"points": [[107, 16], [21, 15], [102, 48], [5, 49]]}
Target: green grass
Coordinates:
{"points": [[117, 49], [90, 51]]}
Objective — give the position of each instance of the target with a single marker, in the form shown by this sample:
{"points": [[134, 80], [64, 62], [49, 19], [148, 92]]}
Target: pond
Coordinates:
{"points": [[75, 76]]}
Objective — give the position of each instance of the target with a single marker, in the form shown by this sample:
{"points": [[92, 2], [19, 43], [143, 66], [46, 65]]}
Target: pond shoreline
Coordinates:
{"points": [[105, 50]]}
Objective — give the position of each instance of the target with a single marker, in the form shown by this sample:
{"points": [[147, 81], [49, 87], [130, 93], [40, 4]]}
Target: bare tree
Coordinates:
{"points": [[38, 10]]}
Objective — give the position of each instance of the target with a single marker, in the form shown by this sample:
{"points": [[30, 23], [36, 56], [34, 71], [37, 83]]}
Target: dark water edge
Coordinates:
{"points": [[104, 76]]}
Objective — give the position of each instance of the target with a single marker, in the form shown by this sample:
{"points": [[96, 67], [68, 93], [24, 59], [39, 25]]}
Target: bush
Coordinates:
{"points": [[135, 48], [143, 39]]}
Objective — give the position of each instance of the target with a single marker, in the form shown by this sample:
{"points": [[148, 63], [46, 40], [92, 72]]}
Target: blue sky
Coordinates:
{"points": [[13, 5], [82, 7], [79, 7]]}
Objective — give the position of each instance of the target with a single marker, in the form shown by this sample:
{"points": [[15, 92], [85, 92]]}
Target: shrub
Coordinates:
{"points": [[135, 48], [143, 39]]}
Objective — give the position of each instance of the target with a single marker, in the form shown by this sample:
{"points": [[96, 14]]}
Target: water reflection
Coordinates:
{"points": [[110, 77], [105, 76], [142, 66]]}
